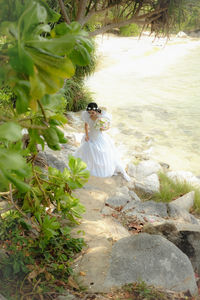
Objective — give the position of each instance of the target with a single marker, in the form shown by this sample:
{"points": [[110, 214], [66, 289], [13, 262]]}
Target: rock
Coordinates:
{"points": [[134, 196], [143, 169], [152, 259], [123, 190], [184, 176], [178, 213], [150, 208], [131, 170], [149, 185], [186, 202], [185, 236], [117, 201], [189, 244], [181, 34], [108, 211], [129, 206], [146, 168]]}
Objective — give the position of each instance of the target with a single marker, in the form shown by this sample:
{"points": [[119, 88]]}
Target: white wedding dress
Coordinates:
{"points": [[99, 153]]}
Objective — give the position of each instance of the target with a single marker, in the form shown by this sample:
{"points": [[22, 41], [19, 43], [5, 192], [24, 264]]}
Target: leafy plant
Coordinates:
{"points": [[77, 95], [35, 61]]}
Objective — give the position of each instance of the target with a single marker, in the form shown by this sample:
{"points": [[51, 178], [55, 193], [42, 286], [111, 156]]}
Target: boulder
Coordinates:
{"points": [[150, 208], [146, 168], [143, 169], [149, 185], [184, 176], [186, 202], [178, 213], [185, 236], [189, 243], [152, 259], [117, 201], [134, 196]]}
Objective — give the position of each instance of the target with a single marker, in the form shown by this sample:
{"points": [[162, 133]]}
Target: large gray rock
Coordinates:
{"points": [[143, 169], [148, 185], [152, 208], [152, 259], [118, 201], [185, 236], [190, 243], [146, 168], [178, 213], [2, 297], [134, 196], [186, 202]]}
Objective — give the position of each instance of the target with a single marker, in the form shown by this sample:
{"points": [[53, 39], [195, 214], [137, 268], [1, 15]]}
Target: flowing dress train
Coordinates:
{"points": [[99, 153]]}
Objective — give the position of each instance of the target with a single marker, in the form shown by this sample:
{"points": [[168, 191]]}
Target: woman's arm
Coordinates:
{"points": [[86, 132]]}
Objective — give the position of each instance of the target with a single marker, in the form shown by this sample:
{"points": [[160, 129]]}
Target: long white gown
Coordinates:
{"points": [[99, 153]]}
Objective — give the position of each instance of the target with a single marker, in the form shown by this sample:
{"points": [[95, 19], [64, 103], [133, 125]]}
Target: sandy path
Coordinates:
{"points": [[99, 232]]}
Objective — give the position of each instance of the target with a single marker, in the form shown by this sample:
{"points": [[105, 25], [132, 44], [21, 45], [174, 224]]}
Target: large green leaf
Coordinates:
{"points": [[21, 186], [10, 160], [80, 56], [10, 131], [61, 45]]}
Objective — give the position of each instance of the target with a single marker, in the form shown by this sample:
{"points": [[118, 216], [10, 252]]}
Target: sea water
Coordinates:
{"points": [[153, 93]]}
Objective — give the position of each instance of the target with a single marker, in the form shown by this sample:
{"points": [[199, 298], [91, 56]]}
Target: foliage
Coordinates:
{"points": [[170, 190], [77, 95], [7, 98], [35, 61], [130, 30], [42, 241], [29, 260], [101, 16], [191, 19]]}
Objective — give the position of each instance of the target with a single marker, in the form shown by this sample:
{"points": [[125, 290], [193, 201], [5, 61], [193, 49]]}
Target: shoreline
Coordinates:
{"points": [[153, 100]]}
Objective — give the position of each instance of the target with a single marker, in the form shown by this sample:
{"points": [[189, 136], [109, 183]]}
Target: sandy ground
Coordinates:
{"points": [[100, 232]]}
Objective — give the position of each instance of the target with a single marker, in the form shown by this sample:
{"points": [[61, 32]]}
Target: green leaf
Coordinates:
{"points": [[61, 45], [22, 101], [20, 185], [11, 131], [80, 56]]}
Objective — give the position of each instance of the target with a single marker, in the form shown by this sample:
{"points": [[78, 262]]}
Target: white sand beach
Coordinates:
{"points": [[151, 87]]}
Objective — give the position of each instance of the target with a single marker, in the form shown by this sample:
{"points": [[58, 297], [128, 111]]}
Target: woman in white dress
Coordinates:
{"points": [[97, 149]]}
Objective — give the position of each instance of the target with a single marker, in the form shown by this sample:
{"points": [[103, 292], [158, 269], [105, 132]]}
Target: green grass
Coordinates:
{"points": [[170, 190]]}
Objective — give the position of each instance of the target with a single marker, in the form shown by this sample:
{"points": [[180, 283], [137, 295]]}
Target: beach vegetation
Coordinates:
{"points": [[160, 17], [38, 207]]}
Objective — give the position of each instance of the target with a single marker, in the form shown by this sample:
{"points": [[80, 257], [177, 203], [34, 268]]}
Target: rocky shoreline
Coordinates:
{"points": [[128, 239]]}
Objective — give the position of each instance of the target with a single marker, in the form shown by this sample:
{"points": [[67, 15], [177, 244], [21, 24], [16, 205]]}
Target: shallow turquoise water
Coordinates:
{"points": [[155, 103]]}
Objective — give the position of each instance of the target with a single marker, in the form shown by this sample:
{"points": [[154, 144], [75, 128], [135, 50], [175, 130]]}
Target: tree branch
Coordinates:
{"points": [[140, 20], [116, 24], [63, 12], [93, 12], [81, 11]]}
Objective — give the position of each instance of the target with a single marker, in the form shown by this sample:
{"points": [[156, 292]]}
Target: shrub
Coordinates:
{"points": [[130, 30], [76, 94]]}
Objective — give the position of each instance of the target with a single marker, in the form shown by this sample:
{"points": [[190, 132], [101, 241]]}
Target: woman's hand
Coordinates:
{"points": [[86, 138]]}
